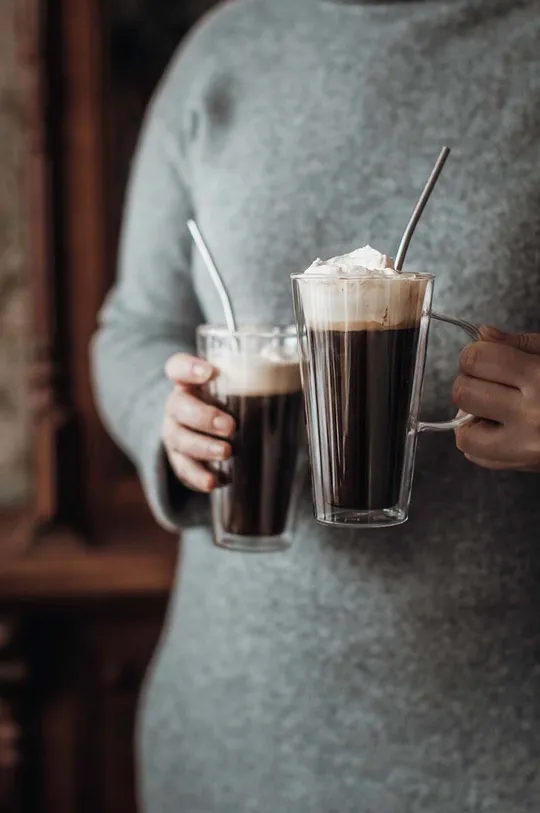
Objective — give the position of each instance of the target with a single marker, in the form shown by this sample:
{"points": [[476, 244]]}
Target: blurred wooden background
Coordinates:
{"points": [[85, 573]]}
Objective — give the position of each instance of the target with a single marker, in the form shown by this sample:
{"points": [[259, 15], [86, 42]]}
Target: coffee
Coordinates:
{"points": [[362, 330], [360, 392], [259, 478], [360, 324], [263, 393]]}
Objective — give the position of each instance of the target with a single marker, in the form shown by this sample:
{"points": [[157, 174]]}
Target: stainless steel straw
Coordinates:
{"points": [[419, 208], [215, 276]]}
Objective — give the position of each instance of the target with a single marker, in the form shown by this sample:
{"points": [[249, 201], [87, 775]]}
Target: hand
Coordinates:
{"points": [[500, 385], [192, 429]]}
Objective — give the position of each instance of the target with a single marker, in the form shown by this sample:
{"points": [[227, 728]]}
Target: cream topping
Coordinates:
{"points": [[361, 291], [364, 262]]}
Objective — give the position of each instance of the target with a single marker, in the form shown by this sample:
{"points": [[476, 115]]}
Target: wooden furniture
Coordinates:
{"points": [[78, 626], [85, 573]]}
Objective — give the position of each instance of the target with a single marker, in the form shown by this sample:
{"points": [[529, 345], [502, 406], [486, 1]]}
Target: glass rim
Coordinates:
{"points": [[410, 276], [249, 331]]}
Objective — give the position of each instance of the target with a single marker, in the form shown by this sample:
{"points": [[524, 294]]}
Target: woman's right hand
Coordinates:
{"points": [[194, 433]]}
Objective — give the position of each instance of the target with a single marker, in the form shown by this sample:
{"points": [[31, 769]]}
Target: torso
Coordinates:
{"points": [[385, 671]]}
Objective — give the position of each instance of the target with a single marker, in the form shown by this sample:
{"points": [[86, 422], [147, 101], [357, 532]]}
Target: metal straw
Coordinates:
{"points": [[211, 267], [419, 208]]}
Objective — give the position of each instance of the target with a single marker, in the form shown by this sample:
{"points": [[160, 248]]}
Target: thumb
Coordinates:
{"points": [[528, 342]]}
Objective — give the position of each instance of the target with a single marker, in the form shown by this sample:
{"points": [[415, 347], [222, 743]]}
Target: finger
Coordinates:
{"points": [[492, 465], [190, 411], [495, 362], [185, 369], [486, 441], [198, 447], [483, 399], [192, 474], [526, 342]]}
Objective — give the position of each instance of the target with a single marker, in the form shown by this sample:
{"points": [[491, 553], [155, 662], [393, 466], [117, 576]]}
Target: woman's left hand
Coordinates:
{"points": [[500, 385]]}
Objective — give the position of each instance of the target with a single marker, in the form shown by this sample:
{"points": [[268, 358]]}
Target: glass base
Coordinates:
{"points": [[351, 518], [252, 544]]}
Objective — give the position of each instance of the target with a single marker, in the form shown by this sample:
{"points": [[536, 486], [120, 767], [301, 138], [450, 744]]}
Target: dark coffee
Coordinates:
{"points": [[258, 480], [358, 398]]}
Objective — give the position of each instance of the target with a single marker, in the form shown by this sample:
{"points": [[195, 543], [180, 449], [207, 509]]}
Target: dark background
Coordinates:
{"points": [[85, 573]]}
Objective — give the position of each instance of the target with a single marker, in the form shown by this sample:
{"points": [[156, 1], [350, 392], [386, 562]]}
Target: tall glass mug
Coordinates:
{"points": [[258, 382], [363, 343]]}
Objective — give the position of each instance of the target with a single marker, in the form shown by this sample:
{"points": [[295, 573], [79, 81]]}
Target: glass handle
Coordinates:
{"points": [[445, 426]]}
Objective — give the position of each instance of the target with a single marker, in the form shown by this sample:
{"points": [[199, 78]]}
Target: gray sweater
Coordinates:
{"points": [[383, 672]]}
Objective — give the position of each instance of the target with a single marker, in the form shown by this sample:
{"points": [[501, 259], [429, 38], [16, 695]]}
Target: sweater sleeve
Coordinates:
{"points": [[151, 313]]}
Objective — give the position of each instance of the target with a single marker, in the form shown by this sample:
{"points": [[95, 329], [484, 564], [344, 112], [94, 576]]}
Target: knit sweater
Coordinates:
{"points": [[379, 671]]}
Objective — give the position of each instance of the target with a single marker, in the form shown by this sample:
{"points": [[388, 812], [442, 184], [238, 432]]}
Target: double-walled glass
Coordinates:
{"points": [[258, 382], [362, 348]]}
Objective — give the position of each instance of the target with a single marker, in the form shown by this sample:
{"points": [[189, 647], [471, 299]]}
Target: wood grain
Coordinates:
{"points": [[61, 565]]}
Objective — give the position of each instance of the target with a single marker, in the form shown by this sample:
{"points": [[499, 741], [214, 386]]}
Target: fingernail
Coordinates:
{"points": [[492, 333], [209, 483], [199, 370], [217, 450], [221, 424]]}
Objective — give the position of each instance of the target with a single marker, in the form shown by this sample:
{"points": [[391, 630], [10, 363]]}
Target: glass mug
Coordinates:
{"points": [[258, 383], [362, 344]]}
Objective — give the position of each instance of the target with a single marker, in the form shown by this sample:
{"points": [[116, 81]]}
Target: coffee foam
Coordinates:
{"points": [[267, 373], [362, 303]]}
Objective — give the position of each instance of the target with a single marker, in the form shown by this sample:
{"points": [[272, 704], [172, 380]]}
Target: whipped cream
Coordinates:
{"points": [[360, 291], [364, 262]]}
